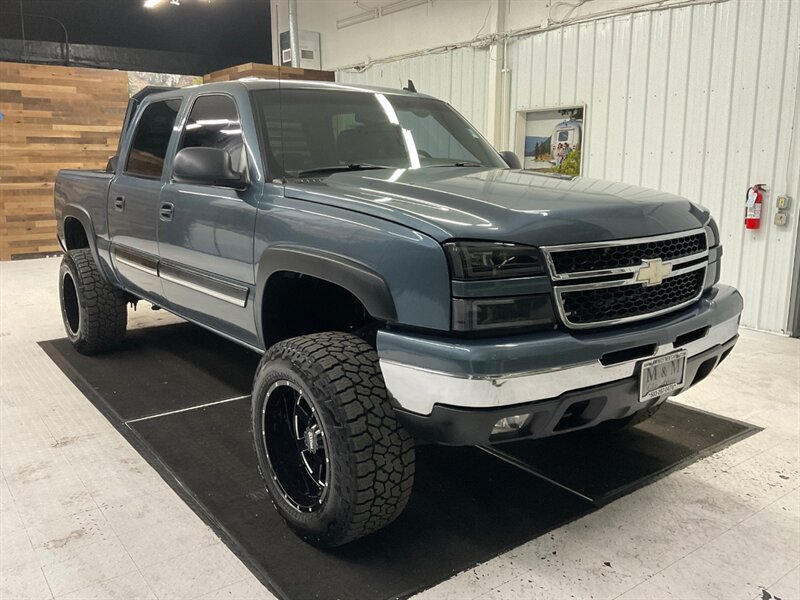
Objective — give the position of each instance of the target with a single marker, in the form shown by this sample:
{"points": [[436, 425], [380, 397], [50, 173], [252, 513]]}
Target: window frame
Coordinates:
{"points": [[135, 129]]}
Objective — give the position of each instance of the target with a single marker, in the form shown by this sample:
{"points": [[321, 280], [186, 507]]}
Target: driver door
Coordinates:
{"points": [[205, 232]]}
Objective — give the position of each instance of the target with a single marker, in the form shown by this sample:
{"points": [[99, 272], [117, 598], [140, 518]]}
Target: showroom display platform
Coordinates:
{"points": [[180, 395]]}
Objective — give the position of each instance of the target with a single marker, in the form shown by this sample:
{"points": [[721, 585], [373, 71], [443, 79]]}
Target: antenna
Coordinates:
{"points": [[410, 87]]}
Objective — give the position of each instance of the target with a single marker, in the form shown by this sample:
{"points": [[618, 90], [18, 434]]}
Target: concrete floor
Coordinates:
{"points": [[82, 515]]}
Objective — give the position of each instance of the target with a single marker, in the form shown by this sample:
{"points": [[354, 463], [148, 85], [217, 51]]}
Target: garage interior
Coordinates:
{"points": [[132, 474]]}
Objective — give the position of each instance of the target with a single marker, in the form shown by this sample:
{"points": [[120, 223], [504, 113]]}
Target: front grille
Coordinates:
{"points": [[626, 255], [606, 283], [596, 305]]}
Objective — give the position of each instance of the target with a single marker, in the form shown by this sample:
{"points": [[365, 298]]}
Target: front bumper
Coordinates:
{"points": [[454, 392]]}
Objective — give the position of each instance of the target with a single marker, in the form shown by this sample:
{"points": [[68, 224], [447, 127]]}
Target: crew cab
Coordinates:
{"points": [[404, 281]]}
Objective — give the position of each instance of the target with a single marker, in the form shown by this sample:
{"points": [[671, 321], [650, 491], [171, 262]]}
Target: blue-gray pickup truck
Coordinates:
{"points": [[404, 281]]}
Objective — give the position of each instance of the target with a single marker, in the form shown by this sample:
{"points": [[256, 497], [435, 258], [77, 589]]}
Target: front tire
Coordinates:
{"points": [[94, 311], [335, 460]]}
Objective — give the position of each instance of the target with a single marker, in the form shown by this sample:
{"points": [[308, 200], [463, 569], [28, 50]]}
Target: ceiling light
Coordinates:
{"points": [[359, 18], [394, 7], [151, 3]]}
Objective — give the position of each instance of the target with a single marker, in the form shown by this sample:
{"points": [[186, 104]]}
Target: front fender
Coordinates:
{"points": [[399, 274]]}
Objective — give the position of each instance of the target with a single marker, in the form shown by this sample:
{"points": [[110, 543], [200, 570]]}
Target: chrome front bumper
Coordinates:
{"points": [[417, 389]]}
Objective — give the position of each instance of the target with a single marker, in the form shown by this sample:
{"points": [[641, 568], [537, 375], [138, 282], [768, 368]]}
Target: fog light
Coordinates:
{"points": [[509, 424]]}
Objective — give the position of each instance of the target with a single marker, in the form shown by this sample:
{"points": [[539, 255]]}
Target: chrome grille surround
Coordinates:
{"points": [[616, 277]]}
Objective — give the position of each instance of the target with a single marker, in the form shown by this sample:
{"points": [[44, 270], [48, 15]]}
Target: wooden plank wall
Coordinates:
{"points": [[54, 118], [267, 72]]}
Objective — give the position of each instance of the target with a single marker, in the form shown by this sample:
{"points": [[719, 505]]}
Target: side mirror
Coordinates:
{"points": [[512, 160], [207, 166], [111, 165]]}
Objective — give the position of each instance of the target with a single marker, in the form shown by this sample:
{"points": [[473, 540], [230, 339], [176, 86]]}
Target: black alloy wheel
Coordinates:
{"points": [[72, 309], [295, 446]]}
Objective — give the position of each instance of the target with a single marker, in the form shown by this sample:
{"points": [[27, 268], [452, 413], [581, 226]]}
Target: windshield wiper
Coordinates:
{"points": [[463, 163], [337, 168]]}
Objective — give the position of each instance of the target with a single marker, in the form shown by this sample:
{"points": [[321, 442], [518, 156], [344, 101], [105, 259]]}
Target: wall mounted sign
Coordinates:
{"points": [[553, 139]]}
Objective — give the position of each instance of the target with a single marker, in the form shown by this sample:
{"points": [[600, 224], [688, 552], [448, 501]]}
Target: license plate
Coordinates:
{"points": [[661, 375]]}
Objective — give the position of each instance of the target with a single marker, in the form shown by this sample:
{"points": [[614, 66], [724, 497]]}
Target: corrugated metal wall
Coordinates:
{"points": [[460, 77], [696, 101]]}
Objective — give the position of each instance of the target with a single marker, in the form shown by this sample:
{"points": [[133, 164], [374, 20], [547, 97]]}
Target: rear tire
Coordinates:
{"points": [[95, 312], [335, 460]]}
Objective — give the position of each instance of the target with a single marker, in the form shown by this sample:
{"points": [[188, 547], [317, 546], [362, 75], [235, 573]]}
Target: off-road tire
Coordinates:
{"points": [[95, 312], [370, 456]]}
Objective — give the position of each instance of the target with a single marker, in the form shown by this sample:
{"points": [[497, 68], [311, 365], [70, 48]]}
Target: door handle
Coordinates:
{"points": [[165, 213], [119, 203]]}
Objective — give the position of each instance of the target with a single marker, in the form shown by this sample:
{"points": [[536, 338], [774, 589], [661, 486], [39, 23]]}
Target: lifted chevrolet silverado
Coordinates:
{"points": [[403, 280]]}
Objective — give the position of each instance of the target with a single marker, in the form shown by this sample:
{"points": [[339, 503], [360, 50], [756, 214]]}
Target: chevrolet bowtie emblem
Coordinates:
{"points": [[653, 271]]}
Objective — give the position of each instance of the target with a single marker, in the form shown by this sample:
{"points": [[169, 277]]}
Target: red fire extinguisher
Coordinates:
{"points": [[753, 203]]}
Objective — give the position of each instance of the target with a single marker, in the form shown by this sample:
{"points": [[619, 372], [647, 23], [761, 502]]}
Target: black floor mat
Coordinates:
{"points": [[604, 467], [468, 505]]}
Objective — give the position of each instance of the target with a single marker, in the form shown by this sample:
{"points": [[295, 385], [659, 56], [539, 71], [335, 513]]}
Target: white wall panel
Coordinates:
{"points": [[460, 77], [696, 101]]}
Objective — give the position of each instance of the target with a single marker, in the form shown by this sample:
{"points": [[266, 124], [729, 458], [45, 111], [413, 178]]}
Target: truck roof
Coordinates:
{"points": [[254, 83]]}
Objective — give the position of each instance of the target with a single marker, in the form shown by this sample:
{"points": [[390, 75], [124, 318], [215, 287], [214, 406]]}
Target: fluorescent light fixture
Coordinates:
{"points": [[356, 19], [401, 5], [151, 3]]}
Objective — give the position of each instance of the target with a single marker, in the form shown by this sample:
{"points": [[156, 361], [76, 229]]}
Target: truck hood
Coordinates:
{"points": [[504, 205]]}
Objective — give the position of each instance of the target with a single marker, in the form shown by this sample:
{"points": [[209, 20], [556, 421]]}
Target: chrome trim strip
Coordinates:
{"points": [[417, 389], [549, 250], [216, 288], [623, 282], [624, 270], [227, 292], [136, 261]]}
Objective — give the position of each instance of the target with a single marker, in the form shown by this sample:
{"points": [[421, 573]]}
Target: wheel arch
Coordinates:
{"points": [[367, 286], [70, 238]]}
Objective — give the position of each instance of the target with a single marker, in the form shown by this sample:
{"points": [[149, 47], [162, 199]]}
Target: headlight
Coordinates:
{"points": [[477, 314], [712, 233], [492, 260]]}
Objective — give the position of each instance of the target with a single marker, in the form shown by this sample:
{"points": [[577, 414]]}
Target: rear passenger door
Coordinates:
{"points": [[133, 199], [205, 233]]}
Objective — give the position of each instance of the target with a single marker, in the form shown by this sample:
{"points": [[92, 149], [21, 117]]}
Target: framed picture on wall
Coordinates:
{"points": [[551, 140]]}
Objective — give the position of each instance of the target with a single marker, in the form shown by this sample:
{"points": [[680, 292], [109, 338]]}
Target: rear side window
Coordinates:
{"points": [[214, 123], [150, 141]]}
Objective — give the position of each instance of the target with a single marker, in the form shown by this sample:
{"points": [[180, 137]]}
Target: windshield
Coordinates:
{"points": [[314, 131]]}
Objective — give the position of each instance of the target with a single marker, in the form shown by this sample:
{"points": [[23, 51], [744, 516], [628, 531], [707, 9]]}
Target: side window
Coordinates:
{"points": [[214, 123], [149, 147]]}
